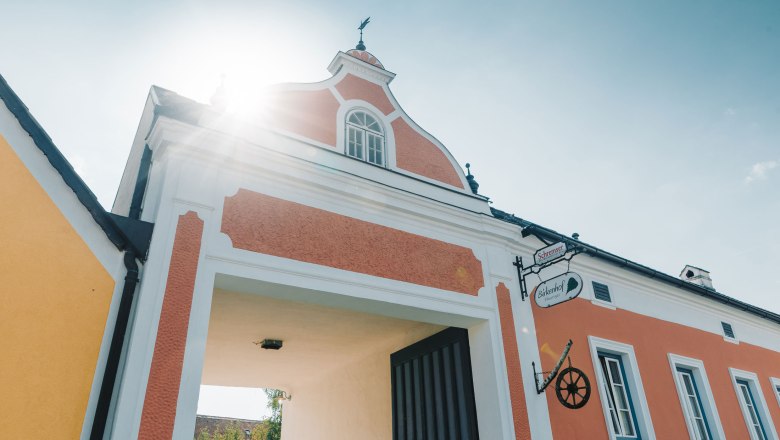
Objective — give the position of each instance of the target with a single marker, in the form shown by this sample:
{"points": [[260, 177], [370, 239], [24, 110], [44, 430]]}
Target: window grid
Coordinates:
{"points": [[693, 406], [365, 138], [746, 398], [618, 397]]}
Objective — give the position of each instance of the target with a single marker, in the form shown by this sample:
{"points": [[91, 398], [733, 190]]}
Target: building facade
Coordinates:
{"points": [[332, 248]]}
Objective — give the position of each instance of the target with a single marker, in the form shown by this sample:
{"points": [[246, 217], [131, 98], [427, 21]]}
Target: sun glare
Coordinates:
{"points": [[233, 402]]}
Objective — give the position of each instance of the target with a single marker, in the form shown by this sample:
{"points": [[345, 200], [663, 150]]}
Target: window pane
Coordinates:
{"points": [[626, 423], [688, 384], [353, 118], [355, 144], [374, 149], [701, 430], [614, 371]]}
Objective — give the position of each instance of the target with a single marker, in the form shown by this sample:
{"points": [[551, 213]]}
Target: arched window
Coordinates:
{"points": [[365, 138]]}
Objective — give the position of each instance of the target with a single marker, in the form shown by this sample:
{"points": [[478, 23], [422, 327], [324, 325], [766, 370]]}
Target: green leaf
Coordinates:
{"points": [[571, 285]]}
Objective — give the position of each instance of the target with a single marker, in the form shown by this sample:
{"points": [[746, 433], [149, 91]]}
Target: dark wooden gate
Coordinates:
{"points": [[433, 393]]}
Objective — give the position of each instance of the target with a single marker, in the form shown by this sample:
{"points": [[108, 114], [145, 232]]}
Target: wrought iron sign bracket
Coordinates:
{"points": [[523, 271], [572, 387], [540, 387]]}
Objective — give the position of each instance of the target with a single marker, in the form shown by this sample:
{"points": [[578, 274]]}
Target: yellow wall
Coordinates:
{"points": [[54, 301]]}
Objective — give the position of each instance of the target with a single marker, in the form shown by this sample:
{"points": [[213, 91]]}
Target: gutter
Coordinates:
{"points": [[139, 231], [545, 234]]}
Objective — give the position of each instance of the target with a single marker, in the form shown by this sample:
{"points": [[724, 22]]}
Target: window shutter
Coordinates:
{"points": [[601, 291], [727, 330]]}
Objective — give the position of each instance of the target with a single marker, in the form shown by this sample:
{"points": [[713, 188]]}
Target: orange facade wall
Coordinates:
{"points": [[652, 340], [415, 153], [54, 302], [352, 87], [512, 361], [261, 223], [311, 114], [162, 389]]}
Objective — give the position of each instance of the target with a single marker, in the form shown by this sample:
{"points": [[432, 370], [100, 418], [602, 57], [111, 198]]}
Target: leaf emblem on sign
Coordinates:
{"points": [[571, 285]]}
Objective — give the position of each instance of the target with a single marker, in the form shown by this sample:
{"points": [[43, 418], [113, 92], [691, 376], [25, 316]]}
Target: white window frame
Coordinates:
{"points": [[705, 394], [758, 396], [775, 388], [366, 133], [633, 381]]}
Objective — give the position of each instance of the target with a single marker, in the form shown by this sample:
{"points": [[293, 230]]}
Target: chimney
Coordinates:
{"points": [[695, 275]]}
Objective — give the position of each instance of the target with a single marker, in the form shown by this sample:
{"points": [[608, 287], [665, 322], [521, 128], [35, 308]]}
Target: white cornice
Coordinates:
{"points": [[351, 64]]}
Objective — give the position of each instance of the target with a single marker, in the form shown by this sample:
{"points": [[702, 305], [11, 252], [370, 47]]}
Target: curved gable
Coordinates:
{"points": [[309, 113], [316, 111], [415, 153], [353, 87]]}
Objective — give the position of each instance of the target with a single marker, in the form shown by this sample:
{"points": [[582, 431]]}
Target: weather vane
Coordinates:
{"points": [[363, 25]]}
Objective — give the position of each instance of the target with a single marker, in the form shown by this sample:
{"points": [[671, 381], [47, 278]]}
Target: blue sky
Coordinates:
{"points": [[652, 128]]}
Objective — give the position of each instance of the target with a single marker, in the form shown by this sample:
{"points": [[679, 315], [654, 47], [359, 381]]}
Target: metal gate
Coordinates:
{"points": [[433, 394]]}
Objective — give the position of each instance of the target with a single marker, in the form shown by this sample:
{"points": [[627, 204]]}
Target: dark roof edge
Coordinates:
{"points": [[541, 231], [61, 164]]}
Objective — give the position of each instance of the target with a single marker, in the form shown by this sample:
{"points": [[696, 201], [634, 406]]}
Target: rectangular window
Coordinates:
{"points": [[618, 396], [754, 408], [755, 424], [692, 405], [696, 399], [619, 384]]}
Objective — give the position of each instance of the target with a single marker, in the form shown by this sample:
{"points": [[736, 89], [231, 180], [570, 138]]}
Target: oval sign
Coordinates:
{"points": [[557, 290]]}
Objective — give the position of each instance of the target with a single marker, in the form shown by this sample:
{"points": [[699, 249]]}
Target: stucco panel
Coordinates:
{"points": [[265, 224], [311, 114], [418, 155], [352, 87], [162, 390]]}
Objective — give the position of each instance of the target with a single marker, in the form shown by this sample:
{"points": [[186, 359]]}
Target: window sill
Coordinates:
{"points": [[600, 303]]}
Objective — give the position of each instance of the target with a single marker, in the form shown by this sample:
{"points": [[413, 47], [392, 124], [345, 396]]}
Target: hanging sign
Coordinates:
{"points": [[557, 290], [550, 253]]}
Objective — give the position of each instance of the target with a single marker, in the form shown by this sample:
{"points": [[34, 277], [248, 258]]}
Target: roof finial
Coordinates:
{"points": [[363, 25], [472, 183]]}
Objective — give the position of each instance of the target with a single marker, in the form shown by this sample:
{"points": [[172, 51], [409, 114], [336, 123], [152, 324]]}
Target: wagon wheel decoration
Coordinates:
{"points": [[572, 388]]}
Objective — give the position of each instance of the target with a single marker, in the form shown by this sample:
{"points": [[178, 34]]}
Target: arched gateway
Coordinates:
{"points": [[334, 224]]}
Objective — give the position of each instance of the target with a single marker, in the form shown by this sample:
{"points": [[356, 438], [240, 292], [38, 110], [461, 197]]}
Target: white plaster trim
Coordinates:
{"points": [[195, 348], [705, 391], [346, 63], [633, 379], [605, 304], [758, 396], [775, 388], [143, 334]]}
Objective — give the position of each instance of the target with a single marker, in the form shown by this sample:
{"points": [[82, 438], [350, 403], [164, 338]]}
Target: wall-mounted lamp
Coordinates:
{"points": [[284, 396], [269, 344]]}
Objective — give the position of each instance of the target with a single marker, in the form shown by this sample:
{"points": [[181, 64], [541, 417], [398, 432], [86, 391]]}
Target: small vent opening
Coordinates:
{"points": [[727, 330], [601, 292]]}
